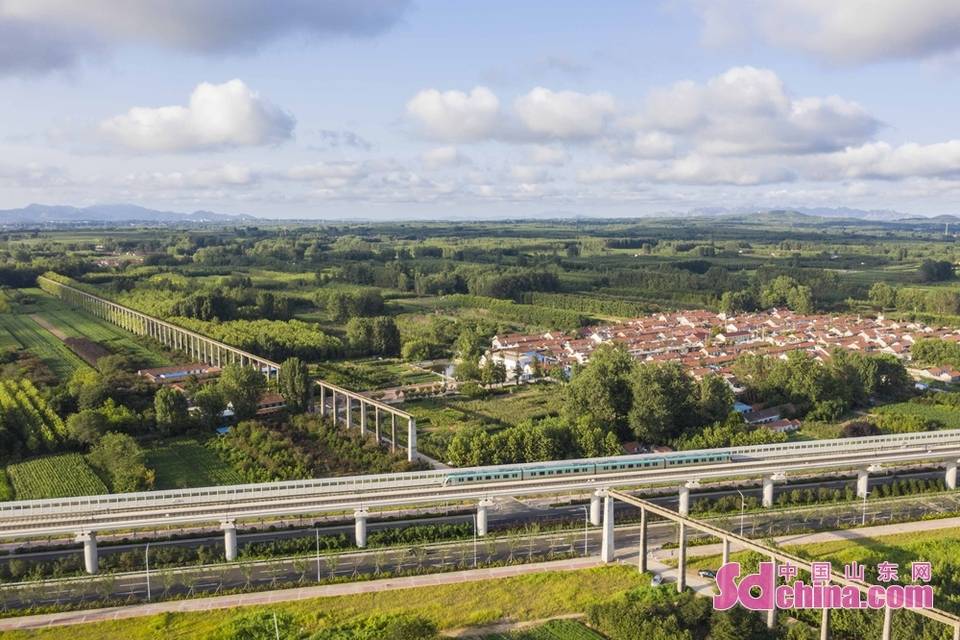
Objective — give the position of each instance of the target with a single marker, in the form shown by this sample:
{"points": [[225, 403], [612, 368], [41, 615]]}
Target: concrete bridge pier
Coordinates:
{"points": [[863, 482], [595, 507], [863, 479], [363, 418], [229, 539], [91, 560], [607, 546], [683, 504], [411, 440], [482, 507], [767, 492], [360, 527], [951, 475]]}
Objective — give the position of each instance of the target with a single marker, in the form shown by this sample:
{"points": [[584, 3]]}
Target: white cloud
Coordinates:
{"points": [[885, 162], [33, 174], [653, 144], [444, 158], [546, 154], [749, 111], [529, 174], [330, 175], [39, 35], [693, 169], [217, 116], [455, 115], [564, 114], [229, 175], [839, 31]]}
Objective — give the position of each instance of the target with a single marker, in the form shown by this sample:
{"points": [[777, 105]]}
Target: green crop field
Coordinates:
{"points": [[946, 415], [187, 463], [553, 630], [58, 476], [28, 335], [77, 324]]}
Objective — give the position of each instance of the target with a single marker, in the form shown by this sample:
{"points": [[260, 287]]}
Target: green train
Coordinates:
{"points": [[537, 471]]}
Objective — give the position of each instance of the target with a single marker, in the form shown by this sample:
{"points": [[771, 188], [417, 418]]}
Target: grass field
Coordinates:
{"points": [[508, 409], [553, 630], [529, 597], [187, 463], [58, 476]]}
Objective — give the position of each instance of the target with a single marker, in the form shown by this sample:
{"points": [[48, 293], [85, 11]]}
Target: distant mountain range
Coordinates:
{"points": [[115, 213], [35, 214]]}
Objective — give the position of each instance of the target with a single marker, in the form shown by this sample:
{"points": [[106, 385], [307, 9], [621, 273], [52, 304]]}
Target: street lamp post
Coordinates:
{"points": [[147, 560], [743, 507], [863, 520]]}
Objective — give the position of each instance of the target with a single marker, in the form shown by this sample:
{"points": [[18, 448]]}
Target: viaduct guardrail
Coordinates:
{"points": [[215, 353], [84, 516]]}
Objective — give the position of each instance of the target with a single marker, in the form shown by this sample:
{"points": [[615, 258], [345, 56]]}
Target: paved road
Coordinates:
{"points": [[626, 553], [436, 557]]}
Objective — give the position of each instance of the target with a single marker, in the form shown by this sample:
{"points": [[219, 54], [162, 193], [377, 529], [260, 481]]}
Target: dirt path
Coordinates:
{"points": [[505, 627], [43, 322]]}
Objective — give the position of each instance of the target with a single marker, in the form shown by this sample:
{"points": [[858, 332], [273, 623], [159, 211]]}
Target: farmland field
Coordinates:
{"points": [[27, 334], [54, 477], [946, 415], [187, 463], [75, 324]]}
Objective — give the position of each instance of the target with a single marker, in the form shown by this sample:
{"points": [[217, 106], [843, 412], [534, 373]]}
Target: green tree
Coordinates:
{"points": [[664, 402], [493, 372], [170, 410], [601, 391], [385, 337], [295, 384], [360, 335], [715, 398], [210, 405], [121, 460], [86, 426], [242, 388], [882, 295]]}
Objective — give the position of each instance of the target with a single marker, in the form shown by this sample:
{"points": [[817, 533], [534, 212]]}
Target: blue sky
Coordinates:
{"points": [[395, 108]]}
